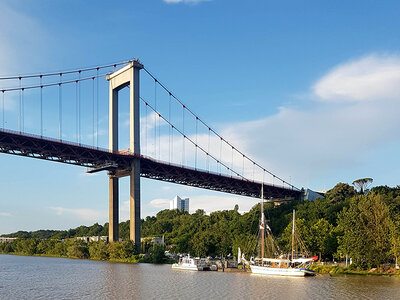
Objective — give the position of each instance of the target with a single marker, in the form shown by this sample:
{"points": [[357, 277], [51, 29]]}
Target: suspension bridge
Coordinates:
{"points": [[65, 117]]}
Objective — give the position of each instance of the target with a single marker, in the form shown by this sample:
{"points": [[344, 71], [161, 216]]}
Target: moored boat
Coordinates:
{"points": [[281, 265], [194, 264], [186, 263]]}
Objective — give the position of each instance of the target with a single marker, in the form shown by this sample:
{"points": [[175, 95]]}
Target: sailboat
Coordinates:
{"points": [[281, 265]]}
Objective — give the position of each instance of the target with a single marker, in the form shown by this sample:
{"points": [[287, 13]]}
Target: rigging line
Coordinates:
{"points": [[155, 119], [216, 133], [190, 140], [76, 109], [97, 107], [64, 72], [232, 158], [93, 83], [243, 166], [79, 107], [41, 107], [172, 142], [208, 149], [195, 151], [159, 137], [169, 129], [254, 167], [23, 110], [183, 139], [263, 178], [52, 84], [3, 110], [146, 129], [60, 110], [220, 155], [19, 116]]}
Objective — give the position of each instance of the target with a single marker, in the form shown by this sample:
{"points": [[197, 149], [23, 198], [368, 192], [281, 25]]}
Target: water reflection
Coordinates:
{"points": [[54, 278]]}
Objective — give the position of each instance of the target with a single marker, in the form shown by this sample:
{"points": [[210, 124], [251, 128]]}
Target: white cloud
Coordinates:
{"points": [[185, 1], [373, 77], [208, 203], [215, 203], [81, 213], [357, 112], [5, 214], [160, 203], [330, 135]]}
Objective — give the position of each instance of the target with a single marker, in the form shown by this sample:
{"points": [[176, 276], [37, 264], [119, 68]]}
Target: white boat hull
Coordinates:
{"points": [[280, 271], [185, 267]]}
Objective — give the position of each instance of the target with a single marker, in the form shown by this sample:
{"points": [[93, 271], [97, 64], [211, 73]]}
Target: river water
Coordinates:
{"points": [[23, 277]]}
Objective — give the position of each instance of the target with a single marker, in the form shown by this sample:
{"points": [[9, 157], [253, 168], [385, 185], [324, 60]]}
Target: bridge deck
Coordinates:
{"points": [[70, 153]]}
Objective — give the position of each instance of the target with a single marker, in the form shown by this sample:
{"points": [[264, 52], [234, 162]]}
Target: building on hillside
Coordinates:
{"points": [[148, 242], [154, 240], [312, 196], [179, 203], [7, 239], [88, 239]]}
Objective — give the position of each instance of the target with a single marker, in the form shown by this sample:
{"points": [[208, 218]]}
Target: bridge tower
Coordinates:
{"points": [[127, 76]]}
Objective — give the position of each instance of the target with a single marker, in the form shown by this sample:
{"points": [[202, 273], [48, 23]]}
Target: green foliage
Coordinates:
{"points": [[94, 230], [247, 244], [156, 255], [77, 249], [121, 250], [323, 239], [340, 193], [365, 228], [26, 246], [98, 250], [363, 184]]}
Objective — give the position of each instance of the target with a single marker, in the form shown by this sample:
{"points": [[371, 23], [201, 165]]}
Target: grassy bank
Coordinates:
{"points": [[141, 258], [77, 249], [337, 270]]}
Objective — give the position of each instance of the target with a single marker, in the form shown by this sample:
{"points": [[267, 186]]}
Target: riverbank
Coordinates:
{"points": [[337, 270], [135, 259], [132, 260]]}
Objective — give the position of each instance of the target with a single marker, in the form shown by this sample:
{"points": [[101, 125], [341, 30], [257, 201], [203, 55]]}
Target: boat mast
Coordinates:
{"points": [[293, 235], [262, 224]]}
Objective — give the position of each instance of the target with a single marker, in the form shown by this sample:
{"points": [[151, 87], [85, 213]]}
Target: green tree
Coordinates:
{"points": [[303, 237], [26, 246], [156, 254], [340, 193], [395, 238], [247, 244], [77, 249], [363, 184], [365, 230], [98, 250], [121, 250], [322, 238]]}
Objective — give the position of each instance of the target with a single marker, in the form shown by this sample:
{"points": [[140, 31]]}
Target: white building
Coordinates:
{"points": [[179, 203]]}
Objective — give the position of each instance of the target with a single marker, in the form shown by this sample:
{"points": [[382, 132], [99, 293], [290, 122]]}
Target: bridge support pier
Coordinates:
{"points": [[126, 76], [113, 210], [135, 203]]}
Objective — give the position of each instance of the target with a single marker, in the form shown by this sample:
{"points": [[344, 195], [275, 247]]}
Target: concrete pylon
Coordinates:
{"points": [[119, 79]]}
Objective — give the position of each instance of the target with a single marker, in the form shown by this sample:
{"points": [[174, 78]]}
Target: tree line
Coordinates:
{"points": [[363, 225]]}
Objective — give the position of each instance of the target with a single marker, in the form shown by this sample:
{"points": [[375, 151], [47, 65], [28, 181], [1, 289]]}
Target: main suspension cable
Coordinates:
{"points": [[65, 72], [216, 133], [190, 140]]}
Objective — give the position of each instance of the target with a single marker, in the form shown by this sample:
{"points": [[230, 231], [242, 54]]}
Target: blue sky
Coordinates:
{"points": [[310, 89]]}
